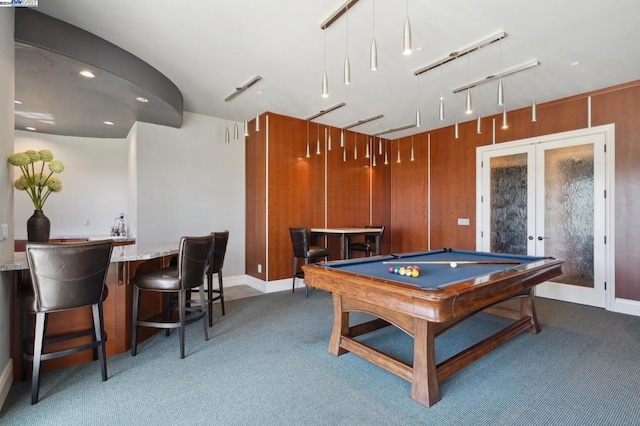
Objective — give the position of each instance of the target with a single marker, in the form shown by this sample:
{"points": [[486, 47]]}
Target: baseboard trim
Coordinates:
{"points": [[6, 380], [626, 306]]}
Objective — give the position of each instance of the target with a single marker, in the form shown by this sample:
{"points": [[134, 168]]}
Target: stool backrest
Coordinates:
{"points": [[194, 257], [67, 276], [300, 241], [372, 238], [219, 251]]}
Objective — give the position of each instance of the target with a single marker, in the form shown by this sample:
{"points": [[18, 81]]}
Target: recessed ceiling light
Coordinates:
{"points": [[30, 128], [575, 63], [141, 99], [87, 73], [17, 102], [110, 123]]}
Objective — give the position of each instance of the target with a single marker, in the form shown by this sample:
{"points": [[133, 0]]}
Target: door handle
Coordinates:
{"points": [[540, 238], [530, 237]]}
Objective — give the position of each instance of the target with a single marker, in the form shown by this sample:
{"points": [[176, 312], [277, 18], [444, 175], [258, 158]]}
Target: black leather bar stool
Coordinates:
{"points": [[371, 243], [194, 256], [303, 250], [215, 267], [64, 277]]}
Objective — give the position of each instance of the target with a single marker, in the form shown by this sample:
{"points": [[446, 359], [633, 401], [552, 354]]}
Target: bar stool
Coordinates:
{"points": [[215, 267], [65, 277], [371, 243], [194, 256], [302, 250]]}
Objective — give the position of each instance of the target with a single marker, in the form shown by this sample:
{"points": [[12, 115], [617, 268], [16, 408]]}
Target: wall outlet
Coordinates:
{"points": [[463, 221], [4, 231], [259, 268]]}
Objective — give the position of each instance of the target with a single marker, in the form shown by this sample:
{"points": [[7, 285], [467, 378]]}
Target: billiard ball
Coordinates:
{"points": [[401, 270], [415, 273], [453, 264], [391, 269]]}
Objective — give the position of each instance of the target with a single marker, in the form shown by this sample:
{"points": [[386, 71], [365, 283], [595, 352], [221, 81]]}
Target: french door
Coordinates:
{"points": [[548, 198]]}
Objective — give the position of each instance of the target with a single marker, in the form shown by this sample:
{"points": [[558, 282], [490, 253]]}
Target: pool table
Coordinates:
{"points": [[426, 305]]}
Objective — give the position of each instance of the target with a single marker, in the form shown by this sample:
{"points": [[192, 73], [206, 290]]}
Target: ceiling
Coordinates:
{"points": [[207, 48]]}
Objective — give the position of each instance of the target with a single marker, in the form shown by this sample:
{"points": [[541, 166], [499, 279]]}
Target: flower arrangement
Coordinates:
{"points": [[36, 182]]}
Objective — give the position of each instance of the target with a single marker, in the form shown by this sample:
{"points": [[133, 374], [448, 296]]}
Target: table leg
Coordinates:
{"points": [[340, 326], [344, 246], [425, 388]]}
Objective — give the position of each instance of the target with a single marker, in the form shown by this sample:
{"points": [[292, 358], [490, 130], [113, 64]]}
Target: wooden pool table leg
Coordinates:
{"points": [[340, 326], [528, 308], [425, 388]]}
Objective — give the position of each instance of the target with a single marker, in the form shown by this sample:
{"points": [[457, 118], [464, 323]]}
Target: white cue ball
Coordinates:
{"points": [[453, 264]]}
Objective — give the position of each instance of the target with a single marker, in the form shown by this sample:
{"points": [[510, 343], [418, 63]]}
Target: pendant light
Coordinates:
{"points": [[318, 151], [328, 140], [374, 160], [500, 87], [397, 161], [412, 157], [469, 106], [479, 125], [441, 109], [347, 65], [308, 153], [236, 132], [505, 125], [226, 134], [373, 60], [257, 122], [325, 79], [344, 155], [418, 118], [379, 145], [456, 133], [386, 153], [407, 49], [534, 107], [355, 146], [246, 128], [366, 152], [341, 138]]}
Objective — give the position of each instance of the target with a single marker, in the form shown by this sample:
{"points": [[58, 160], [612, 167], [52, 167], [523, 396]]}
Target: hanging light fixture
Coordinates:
{"points": [[500, 87], [418, 118], [257, 122], [379, 145], [469, 107], [236, 132], [534, 107], [398, 151], [456, 133], [441, 109], [347, 65], [479, 125], [366, 152], [308, 153], [505, 125], [226, 134], [412, 157], [407, 49], [355, 146], [341, 138], [246, 127], [386, 152], [318, 141], [344, 155], [325, 79], [328, 140], [373, 60], [374, 161]]}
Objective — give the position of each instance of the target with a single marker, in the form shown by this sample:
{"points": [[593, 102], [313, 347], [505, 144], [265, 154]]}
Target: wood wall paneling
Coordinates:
{"points": [[622, 106]]}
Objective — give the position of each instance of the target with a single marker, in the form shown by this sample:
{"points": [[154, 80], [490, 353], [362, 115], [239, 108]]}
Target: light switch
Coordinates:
{"points": [[4, 232], [463, 221]]}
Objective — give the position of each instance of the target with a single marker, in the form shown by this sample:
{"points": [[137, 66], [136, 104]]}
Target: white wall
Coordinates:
{"points": [[190, 182], [7, 83], [94, 184]]}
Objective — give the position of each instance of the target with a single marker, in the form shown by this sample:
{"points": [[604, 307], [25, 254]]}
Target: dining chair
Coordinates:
{"points": [[370, 244], [64, 277], [303, 250], [194, 256]]}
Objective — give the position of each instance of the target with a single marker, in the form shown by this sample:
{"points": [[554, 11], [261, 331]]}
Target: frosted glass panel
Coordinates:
{"points": [[569, 217], [509, 204]]}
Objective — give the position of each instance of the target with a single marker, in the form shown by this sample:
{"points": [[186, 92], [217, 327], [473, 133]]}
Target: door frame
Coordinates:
{"points": [[608, 130]]}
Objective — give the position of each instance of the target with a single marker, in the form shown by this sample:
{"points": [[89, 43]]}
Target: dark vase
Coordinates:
{"points": [[38, 228]]}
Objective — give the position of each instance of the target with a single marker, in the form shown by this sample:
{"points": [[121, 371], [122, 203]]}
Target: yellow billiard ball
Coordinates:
{"points": [[415, 273]]}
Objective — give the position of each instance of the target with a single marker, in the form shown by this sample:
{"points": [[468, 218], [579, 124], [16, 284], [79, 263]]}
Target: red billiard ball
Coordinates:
{"points": [[391, 269]]}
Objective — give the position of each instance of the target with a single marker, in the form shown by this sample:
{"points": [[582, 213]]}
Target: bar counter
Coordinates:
{"points": [[125, 260]]}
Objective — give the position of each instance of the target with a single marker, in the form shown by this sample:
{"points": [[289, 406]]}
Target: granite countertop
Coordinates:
{"points": [[125, 253]]}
